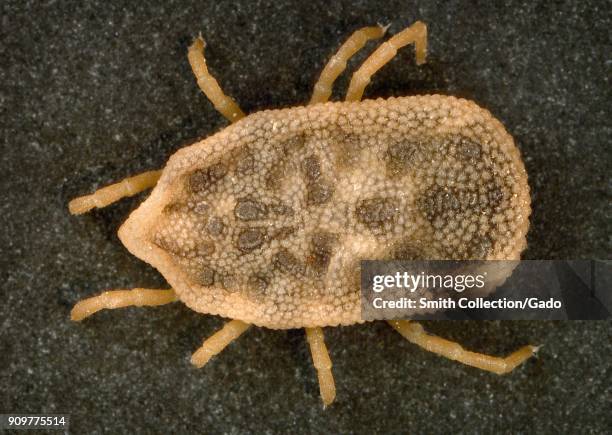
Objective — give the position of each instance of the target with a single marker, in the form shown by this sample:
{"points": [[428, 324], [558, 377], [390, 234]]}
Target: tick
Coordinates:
{"points": [[265, 222]]}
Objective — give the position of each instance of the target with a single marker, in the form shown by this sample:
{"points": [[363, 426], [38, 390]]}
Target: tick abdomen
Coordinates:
{"points": [[268, 220]]}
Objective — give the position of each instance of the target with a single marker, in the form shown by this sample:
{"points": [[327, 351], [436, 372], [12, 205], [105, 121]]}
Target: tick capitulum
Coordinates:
{"points": [[266, 222]]}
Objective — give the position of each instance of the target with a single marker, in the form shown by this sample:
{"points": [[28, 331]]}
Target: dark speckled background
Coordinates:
{"points": [[91, 92]]}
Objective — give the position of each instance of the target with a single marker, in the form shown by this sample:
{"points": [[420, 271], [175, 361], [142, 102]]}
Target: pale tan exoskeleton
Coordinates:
{"points": [[265, 222]]}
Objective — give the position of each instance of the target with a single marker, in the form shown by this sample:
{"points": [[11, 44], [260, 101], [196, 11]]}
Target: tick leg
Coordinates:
{"points": [[416, 33], [323, 364], [209, 85], [137, 297], [415, 333], [323, 88], [113, 193], [218, 341]]}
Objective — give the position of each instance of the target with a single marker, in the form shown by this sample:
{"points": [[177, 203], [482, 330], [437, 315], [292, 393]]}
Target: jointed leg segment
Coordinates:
{"points": [[416, 33], [209, 85], [113, 193], [218, 341], [121, 298], [323, 364], [415, 333], [337, 64]]}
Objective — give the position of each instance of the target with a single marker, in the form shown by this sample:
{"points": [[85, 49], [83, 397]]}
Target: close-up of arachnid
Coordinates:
{"points": [[266, 222]]}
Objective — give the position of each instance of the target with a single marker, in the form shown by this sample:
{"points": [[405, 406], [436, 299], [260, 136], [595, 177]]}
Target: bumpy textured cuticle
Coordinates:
{"points": [[267, 220]]}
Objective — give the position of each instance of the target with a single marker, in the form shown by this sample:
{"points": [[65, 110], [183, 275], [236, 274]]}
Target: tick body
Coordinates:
{"points": [[266, 222]]}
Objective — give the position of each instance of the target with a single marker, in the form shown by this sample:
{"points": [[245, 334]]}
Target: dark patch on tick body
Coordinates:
{"points": [[258, 282], [401, 157], [250, 239], [439, 202], [245, 163], [282, 233], [201, 208], [229, 282], [318, 189], [286, 262], [248, 209], [205, 276], [312, 168], [256, 287], [281, 209], [201, 180], [205, 248], [412, 249], [215, 226], [283, 151], [170, 245], [469, 150], [346, 148], [174, 208], [377, 212], [406, 251], [478, 247], [495, 195], [447, 202], [275, 176], [319, 193], [321, 250], [293, 143]]}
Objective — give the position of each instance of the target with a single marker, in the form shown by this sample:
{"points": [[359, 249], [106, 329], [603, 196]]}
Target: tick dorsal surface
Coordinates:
{"points": [[268, 220]]}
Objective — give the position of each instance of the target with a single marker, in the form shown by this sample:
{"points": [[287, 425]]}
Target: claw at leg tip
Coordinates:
{"points": [[384, 27], [421, 58], [198, 43], [201, 38], [198, 360], [79, 205], [76, 315]]}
